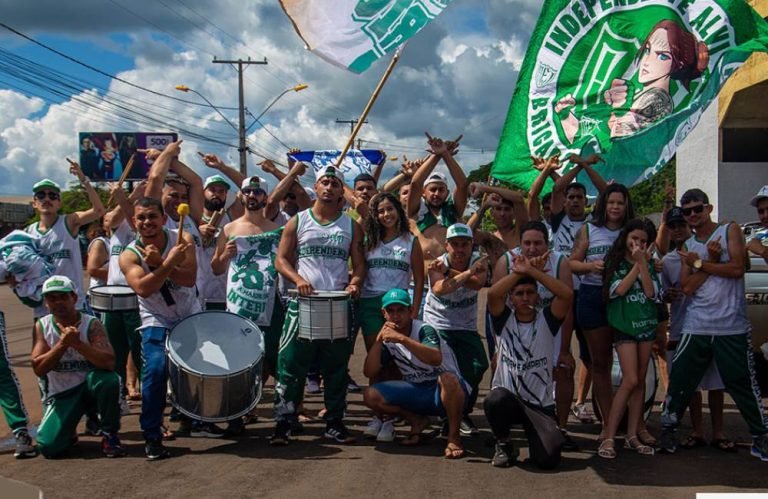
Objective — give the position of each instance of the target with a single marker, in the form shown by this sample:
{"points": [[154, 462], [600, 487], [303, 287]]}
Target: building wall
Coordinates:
{"points": [[698, 159], [738, 183]]}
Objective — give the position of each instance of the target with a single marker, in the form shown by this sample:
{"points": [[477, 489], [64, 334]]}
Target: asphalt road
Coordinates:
{"points": [[312, 467]]}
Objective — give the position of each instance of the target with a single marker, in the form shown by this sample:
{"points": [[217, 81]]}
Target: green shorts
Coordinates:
{"points": [[369, 315], [619, 337]]}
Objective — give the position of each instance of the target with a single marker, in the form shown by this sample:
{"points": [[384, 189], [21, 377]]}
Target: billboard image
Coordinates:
{"points": [[104, 155]]}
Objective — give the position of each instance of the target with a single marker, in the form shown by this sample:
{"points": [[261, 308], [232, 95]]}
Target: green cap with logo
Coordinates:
{"points": [[215, 179], [458, 230], [396, 295], [58, 284], [46, 183]]}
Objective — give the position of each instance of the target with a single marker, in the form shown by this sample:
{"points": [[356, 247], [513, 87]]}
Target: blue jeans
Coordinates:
{"points": [[154, 381]]}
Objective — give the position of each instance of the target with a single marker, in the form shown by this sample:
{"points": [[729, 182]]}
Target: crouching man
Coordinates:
{"points": [[431, 384], [73, 356], [521, 390]]}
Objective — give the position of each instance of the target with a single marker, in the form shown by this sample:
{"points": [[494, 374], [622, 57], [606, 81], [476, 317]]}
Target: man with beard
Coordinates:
{"points": [[429, 203], [162, 272], [313, 254], [759, 243]]}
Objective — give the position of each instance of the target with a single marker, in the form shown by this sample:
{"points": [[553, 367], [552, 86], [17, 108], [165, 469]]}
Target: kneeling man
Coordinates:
{"points": [[73, 356], [431, 384]]}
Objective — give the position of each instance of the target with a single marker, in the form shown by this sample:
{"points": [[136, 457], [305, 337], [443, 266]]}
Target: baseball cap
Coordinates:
{"points": [[436, 177], [58, 284], [255, 182], [458, 230], [396, 295], [674, 215], [329, 171], [215, 179], [762, 193], [46, 183]]}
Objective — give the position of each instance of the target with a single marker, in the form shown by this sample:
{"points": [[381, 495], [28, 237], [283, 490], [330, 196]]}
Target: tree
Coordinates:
{"points": [[648, 196]]}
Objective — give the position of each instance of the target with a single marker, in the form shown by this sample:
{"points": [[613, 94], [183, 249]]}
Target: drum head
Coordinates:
{"points": [[215, 343], [112, 289]]}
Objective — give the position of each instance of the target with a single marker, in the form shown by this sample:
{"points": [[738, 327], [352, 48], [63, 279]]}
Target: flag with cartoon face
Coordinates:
{"points": [[627, 80], [354, 34]]}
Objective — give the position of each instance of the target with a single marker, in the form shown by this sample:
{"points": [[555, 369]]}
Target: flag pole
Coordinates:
{"points": [[368, 106]]}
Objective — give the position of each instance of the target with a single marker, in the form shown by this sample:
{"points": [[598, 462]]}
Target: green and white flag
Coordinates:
{"points": [[354, 34], [628, 79]]}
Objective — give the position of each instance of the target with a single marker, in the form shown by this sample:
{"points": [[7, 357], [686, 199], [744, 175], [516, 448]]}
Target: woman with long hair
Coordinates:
{"points": [[613, 210], [392, 256], [631, 288]]}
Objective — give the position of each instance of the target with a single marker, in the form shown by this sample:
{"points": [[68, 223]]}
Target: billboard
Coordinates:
{"points": [[104, 155]]}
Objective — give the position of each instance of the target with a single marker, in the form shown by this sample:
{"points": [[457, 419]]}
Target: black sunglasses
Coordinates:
{"points": [[53, 196], [693, 209]]}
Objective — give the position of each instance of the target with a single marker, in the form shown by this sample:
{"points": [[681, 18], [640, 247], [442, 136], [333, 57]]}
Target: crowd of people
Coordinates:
{"points": [[413, 270]]}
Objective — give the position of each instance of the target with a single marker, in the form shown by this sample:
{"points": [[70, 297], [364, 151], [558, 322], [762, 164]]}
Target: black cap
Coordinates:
{"points": [[674, 215]]}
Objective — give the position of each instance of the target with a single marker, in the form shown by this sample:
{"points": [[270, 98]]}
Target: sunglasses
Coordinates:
{"points": [[53, 196], [693, 209], [252, 192]]}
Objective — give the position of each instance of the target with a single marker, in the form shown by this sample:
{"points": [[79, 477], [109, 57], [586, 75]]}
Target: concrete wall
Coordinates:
{"points": [[738, 183], [698, 158]]}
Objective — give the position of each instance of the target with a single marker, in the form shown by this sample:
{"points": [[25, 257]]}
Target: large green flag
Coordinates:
{"points": [[628, 79]]}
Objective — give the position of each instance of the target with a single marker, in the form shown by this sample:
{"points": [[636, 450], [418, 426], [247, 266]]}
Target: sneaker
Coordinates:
{"points": [[569, 445], [386, 433], [125, 409], [24, 446], [353, 387], [235, 428], [335, 430], [668, 442], [205, 430], [372, 430], [505, 455], [155, 450], [313, 386], [467, 427], [92, 427], [760, 447], [297, 427], [581, 412], [111, 446], [282, 434]]}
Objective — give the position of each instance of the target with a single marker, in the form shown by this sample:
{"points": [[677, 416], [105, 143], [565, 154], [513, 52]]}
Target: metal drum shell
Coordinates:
{"points": [[324, 316], [102, 301]]}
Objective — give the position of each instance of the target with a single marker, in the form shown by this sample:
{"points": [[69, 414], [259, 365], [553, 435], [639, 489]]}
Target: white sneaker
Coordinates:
{"points": [[373, 428], [313, 386], [386, 433]]}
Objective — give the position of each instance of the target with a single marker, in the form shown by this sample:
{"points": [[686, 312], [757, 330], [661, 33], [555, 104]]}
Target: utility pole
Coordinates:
{"points": [[241, 128], [352, 124]]}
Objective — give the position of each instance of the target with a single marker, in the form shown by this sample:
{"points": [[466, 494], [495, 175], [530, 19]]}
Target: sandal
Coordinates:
{"points": [[693, 441], [725, 445], [646, 437], [606, 449], [453, 451], [635, 444]]}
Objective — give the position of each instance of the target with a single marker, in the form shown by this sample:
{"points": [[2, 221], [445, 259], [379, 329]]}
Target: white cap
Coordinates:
{"points": [[762, 193], [458, 230], [329, 171], [255, 182], [436, 178], [58, 284]]}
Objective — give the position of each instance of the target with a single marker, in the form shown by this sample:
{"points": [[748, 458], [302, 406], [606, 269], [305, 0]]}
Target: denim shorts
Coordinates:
{"points": [[420, 398], [590, 307]]}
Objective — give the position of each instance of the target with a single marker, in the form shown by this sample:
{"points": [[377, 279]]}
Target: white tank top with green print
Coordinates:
{"points": [[121, 236], [600, 240], [72, 368], [252, 278], [389, 266], [323, 250], [453, 311]]}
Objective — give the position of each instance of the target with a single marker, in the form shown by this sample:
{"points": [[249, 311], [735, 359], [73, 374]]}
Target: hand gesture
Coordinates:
{"points": [[116, 190], [291, 159], [353, 290], [540, 262], [304, 288], [70, 335], [616, 96], [715, 250], [151, 255], [173, 149], [522, 265], [300, 169], [268, 166], [230, 250], [138, 191], [75, 170], [212, 161], [669, 192], [480, 267], [688, 257], [476, 189], [453, 145], [565, 103], [491, 201], [389, 334], [151, 154], [538, 163], [436, 145], [177, 253], [208, 231]]}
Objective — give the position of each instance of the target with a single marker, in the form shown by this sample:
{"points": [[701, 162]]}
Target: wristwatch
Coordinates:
{"points": [[698, 263]]}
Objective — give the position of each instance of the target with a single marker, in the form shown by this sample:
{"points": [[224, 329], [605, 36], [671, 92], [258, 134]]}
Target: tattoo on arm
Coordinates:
{"points": [[97, 336]]}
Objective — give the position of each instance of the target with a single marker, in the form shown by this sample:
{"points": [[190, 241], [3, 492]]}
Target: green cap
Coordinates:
{"points": [[458, 230], [215, 179], [58, 284], [46, 183], [396, 295]]}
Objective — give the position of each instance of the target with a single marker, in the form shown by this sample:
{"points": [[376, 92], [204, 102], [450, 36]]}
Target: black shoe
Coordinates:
{"points": [[668, 442], [111, 446], [92, 427], [205, 430], [468, 428], [155, 450], [353, 387], [335, 430], [297, 428], [282, 434], [569, 445], [235, 428], [505, 455]]}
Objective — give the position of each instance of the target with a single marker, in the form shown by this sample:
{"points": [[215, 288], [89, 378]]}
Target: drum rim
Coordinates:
{"points": [[94, 290], [325, 296]]}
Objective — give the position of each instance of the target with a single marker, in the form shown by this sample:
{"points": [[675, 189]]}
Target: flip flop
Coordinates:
{"points": [[453, 451], [725, 445], [692, 441]]}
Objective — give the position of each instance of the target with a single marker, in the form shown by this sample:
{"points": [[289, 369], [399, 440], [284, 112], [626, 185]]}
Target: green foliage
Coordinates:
{"points": [[648, 196], [76, 199]]}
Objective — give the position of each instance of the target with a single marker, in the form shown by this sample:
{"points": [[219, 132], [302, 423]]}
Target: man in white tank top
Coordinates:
{"points": [[162, 272], [716, 324], [314, 252], [58, 234], [72, 354]]}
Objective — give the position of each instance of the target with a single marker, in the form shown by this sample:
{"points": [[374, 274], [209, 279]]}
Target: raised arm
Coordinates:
{"points": [[159, 170], [545, 169], [196, 195], [461, 192], [233, 174], [514, 197], [282, 188], [417, 184], [80, 218], [558, 190]]}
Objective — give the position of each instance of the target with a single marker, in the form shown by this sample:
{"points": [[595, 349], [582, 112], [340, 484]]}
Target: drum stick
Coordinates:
{"points": [[183, 211], [214, 221], [126, 172]]}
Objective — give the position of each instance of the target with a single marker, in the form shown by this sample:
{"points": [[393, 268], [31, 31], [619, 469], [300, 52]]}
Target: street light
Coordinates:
{"points": [[184, 88], [296, 88]]}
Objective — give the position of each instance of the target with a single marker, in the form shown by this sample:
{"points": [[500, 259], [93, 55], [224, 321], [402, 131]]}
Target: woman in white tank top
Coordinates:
{"points": [[613, 210]]}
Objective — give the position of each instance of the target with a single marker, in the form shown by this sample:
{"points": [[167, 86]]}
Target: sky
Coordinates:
{"points": [[455, 77]]}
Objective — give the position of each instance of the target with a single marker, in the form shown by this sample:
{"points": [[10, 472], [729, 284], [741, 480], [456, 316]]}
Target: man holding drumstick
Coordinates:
{"points": [[313, 254]]}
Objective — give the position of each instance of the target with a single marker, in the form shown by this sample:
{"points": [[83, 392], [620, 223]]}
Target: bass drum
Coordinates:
{"points": [[214, 366], [651, 384]]}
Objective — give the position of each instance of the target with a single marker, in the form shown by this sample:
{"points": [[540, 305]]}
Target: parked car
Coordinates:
{"points": [[756, 287]]}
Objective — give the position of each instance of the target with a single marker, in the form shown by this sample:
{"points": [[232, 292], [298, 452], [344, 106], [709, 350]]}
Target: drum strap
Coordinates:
{"points": [[165, 292]]}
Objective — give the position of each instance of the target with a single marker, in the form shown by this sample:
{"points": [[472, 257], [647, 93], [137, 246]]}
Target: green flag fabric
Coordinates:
{"points": [[627, 79]]}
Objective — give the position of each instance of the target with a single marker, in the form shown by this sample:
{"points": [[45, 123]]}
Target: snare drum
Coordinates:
{"points": [[214, 366], [324, 316], [113, 298], [215, 304], [651, 383]]}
